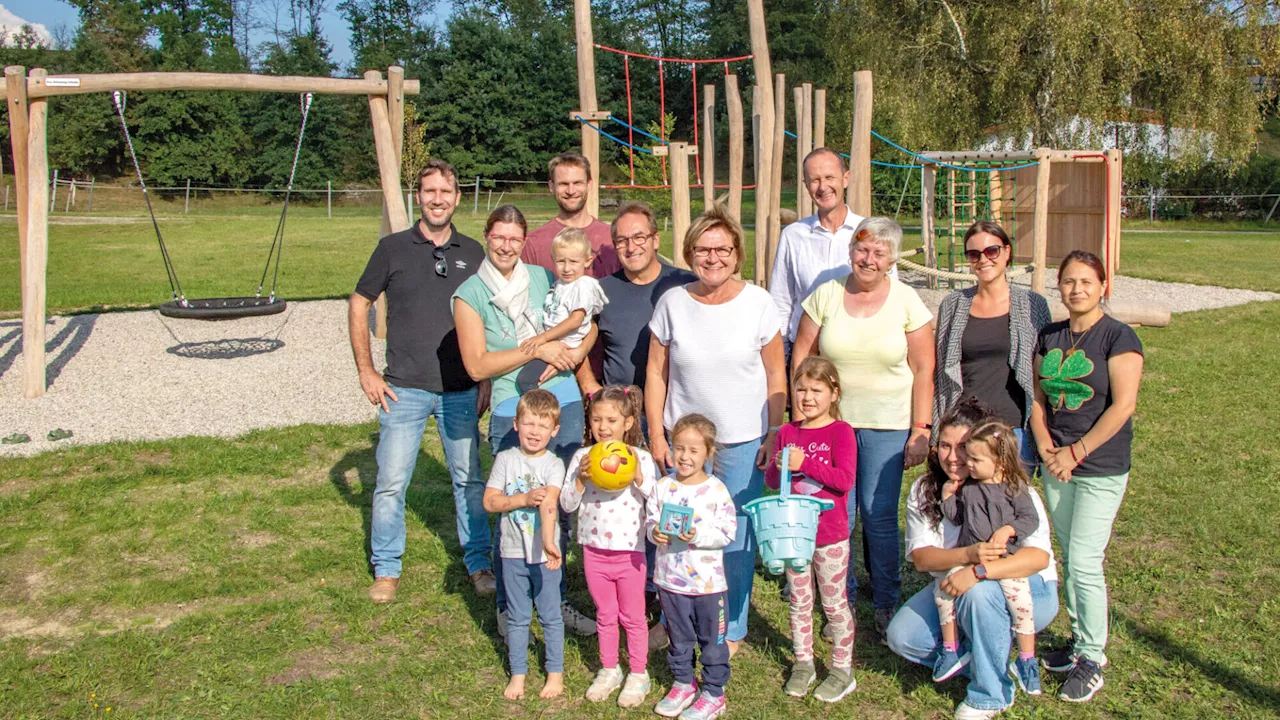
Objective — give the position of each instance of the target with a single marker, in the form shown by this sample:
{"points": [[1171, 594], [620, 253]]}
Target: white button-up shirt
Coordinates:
{"points": [[809, 255]]}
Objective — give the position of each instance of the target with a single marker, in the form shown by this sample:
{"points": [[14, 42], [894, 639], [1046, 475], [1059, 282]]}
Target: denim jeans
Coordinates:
{"points": [[533, 585], [982, 616], [875, 501], [735, 465], [399, 439], [502, 436]]}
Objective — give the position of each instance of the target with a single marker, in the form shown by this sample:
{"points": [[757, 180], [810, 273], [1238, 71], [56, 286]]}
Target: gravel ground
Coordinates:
{"points": [[141, 376]]}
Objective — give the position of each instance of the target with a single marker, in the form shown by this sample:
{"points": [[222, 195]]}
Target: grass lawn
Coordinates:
{"points": [[1250, 261], [225, 578]]}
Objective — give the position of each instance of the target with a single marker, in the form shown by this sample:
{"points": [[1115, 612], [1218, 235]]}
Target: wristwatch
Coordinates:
{"points": [[980, 571]]}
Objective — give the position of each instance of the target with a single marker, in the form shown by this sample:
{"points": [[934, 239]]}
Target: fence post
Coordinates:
{"points": [[53, 197], [1264, 222], [488, 201], [475, 200], [1153, 206], [89, 209], [329, 199], [186, 201], [408, 204], [6, 198], [71, 196]]}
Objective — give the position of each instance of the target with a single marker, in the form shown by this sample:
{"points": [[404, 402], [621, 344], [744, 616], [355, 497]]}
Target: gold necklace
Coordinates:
{"points": [[1077, 341]]}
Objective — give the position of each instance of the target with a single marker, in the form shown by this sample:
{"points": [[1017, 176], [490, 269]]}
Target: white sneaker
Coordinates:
{"points": [[965, 711], [502, 625], [575, 622], [634, 690], [607, 680]]}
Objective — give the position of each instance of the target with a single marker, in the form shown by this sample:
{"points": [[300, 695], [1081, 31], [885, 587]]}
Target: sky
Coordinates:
{"points": [[47, 15]]}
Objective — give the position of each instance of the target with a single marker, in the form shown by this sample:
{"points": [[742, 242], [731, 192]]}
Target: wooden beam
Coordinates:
{"points": [[15, 78], [766, 191], [395, 109], [1040, 227], [708, 146], [586, 54], [859, 192], [797, 97], [978, 155], [80, 84], [679, 153], [995, 191], [37, 250], [395, 218], [820, 117], [1115, 176], [733, 99], [928, 219], [805, 131], [775, 181]]}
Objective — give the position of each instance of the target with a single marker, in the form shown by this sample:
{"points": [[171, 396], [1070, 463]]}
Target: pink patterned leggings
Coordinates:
{"points": [[831, 564], [1017, 595]]}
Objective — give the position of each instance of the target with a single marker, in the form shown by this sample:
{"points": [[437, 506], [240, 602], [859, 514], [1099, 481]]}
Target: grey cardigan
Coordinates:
{"points": [[1028, 314]]}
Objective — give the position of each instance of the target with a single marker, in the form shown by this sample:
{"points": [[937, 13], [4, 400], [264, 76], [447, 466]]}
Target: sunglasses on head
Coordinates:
{"points": [[442, 265], [990, 252]]}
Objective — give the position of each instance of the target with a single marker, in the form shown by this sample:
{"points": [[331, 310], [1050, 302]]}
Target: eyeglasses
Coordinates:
{"points": [[722, 251], [500, 240], [442, 265], [638, 240], [990, 252]]}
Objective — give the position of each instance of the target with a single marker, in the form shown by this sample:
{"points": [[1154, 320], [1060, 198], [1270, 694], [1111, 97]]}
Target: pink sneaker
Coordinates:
{"points": [[705, 707], [680, 697]]}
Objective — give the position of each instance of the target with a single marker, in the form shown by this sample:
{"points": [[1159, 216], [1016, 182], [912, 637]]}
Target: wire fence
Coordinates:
{"points": [[481, 195]]}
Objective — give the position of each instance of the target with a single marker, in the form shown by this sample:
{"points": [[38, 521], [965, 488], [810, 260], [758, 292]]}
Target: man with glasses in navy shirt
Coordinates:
{"points": [[419, 269]]}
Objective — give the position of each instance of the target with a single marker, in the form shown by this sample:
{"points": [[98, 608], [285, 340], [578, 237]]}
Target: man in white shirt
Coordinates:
{"points": [[814, 249]]}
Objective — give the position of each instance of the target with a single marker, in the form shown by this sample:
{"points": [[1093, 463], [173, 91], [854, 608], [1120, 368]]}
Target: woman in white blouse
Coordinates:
{"points": [[717, 350]]}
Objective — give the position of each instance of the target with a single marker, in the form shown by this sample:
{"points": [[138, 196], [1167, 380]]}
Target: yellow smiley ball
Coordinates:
{"points": [[612, 465]]}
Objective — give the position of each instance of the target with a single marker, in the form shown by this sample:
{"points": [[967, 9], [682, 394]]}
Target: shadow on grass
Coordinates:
{"points": [[1171, 649]]}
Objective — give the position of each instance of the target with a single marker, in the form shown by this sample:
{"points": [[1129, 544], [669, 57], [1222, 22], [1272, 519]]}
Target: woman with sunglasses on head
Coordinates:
{"points": [[987, 334], [496, 310], [716, 350]]}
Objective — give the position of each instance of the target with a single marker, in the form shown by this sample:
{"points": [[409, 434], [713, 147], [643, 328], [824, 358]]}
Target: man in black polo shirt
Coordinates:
{"points": [[419, 269]]}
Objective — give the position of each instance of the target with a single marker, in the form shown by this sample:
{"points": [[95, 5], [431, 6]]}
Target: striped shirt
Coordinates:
{"points": [[809, 255]]}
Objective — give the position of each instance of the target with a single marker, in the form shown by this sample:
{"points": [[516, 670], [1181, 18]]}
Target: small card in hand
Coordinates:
{"points": [[676, 519]]}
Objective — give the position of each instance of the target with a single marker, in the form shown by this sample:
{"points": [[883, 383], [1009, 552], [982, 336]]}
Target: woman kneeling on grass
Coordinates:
{"points": [[1090, 369], [982, 615]]}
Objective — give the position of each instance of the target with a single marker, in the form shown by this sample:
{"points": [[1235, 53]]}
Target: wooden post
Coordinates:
{"points": [[475, 198], [797, 97], [733, 99], [928, 226], [6, 208], [37, 250], [328, 198], [679, 153], [708, 147], [775, 180], [859, 192], [587, 98], [755, 150], [71, 196], [766, 190], [394, 216], [995, 189], [820, 117], [1115, 166], [15, 78], [186, 199], [89, 204], [805, 131], [1040, 228], [53, 196]]}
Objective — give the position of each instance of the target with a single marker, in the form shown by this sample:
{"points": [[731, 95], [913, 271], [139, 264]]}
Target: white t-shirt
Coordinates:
{"points": [[610, 520], [581, 294], [921, 534], [695, 568], [714, 359], [513, 473]]}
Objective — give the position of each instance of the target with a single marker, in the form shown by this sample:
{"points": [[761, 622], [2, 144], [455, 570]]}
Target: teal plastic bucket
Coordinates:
{"points": [[786, 525]]}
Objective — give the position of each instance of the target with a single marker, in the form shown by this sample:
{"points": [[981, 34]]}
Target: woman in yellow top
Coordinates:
{"points": [[876, 331]]}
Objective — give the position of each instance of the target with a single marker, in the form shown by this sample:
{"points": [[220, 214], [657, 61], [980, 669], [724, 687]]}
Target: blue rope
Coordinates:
{"points": [[873, 162], [618, 140], [945, 165], [636, 129]]}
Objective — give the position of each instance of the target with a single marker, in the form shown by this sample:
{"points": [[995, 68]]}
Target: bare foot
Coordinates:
{"points": [[554, 686], [733, 646], [515, 688]]}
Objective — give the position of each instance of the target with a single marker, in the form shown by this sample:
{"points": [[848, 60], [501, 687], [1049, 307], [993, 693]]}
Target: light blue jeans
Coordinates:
{"points": [[982, 616], [875, 501], [735, 465], [399, 440], [532, 585]]}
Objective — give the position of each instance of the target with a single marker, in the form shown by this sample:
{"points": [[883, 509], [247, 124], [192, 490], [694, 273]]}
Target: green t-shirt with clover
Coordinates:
{"points": [[1077, 389]]}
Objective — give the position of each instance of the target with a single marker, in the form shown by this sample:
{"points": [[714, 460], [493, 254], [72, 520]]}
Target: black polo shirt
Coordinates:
{"points": [[422, 344]]}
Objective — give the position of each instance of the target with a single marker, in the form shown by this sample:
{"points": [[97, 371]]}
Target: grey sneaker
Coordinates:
{"points": [[575, 622], [1082, 683], [802, 677], [607, 680], [829, 632], [658, 638], [634, 690], [839, 682], [502, 625], [883, 618]]}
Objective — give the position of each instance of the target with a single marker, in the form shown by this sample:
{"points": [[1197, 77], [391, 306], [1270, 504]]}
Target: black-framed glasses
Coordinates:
{"points": [[442, 264], [990, 252], [638, 240]]}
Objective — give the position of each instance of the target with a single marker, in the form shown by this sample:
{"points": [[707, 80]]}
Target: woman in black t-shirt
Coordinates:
{"points": [[1090, 367]]}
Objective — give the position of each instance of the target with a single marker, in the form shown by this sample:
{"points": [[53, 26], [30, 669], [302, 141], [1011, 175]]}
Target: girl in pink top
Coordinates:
{"points": [[611, 530], [823, 461]]}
